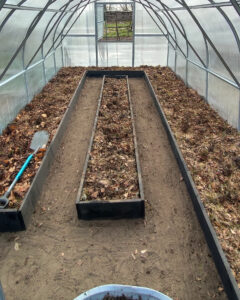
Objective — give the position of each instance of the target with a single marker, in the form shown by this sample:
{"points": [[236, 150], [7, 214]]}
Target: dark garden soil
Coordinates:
{"points": [[123, 297], [112, 170], [209, 145]]}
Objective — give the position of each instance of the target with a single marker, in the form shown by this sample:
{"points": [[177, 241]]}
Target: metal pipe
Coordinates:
{"points": [[134, 35], [27, 69], [96, 33]]}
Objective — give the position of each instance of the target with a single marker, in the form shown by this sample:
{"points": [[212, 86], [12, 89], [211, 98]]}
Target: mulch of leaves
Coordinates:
{"points": [[209, 145], [112, 172], [43, 113], [211, 149]]}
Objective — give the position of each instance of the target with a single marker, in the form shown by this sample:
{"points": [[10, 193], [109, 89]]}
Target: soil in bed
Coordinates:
{"points": [[112, 171]]}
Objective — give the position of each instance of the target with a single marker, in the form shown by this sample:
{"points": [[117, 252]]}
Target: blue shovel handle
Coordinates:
{"points": [[24, 166], [19, 174]]}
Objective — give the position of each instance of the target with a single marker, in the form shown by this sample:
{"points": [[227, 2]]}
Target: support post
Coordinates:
{"points": [[133, 29]]}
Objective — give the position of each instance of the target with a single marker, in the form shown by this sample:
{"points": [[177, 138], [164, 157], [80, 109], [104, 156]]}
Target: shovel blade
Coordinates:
{"points": [[40, 138]]}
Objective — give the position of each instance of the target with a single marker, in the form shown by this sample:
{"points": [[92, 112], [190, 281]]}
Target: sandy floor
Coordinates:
{"points": [[60, 256]]}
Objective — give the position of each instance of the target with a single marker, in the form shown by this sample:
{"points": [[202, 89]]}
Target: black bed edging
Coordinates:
{"points": [[228, 280], [18, 219], [111, 209]]}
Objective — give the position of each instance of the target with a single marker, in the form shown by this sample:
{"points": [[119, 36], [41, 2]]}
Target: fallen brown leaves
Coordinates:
{"points": [[112, 173], [44, 112], [211, 149]]}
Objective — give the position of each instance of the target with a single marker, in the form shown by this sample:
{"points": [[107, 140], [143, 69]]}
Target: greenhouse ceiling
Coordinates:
{"points": [[198, 39]]}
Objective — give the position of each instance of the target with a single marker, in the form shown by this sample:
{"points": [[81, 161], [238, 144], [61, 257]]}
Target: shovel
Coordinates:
{"points": [[39, 139]]}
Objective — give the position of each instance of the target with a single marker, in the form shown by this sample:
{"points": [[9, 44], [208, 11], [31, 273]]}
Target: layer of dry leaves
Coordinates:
{"points": [[211, 149], [209, 145], [43, 113], [111, 172]]}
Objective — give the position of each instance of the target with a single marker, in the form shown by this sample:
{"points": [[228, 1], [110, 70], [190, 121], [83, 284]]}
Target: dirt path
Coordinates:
{"points": [[59, 256]]}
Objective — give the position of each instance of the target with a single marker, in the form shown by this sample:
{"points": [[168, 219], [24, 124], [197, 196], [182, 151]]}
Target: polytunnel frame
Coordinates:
{"points": [[168, 13]]}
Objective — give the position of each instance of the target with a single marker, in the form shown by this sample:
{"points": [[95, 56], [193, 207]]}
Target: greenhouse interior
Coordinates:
{"points": [[119, 149]]}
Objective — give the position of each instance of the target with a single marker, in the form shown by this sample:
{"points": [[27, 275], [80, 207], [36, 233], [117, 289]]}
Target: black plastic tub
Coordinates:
{"points": [[111, 209], [17, 219]]}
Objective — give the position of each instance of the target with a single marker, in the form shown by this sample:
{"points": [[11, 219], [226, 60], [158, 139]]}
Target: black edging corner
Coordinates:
{"points": [[18, 219], [223, 267]]}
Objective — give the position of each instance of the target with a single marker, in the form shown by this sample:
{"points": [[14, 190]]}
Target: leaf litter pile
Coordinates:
{"points": [[112, 173], [43, 113], [211, 148]]}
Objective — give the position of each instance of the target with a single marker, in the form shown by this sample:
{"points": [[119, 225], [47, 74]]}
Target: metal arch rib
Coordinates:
{"points": [[66, 25], [234, 31], [162, 22], [30, 29], [236, 6], [10, 14], [164, 25], [211, 43], [63, 10]]}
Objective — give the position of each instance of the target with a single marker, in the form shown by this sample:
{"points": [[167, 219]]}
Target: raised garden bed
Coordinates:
{"points": [[220, 260], [47, 113], [111, 184]]}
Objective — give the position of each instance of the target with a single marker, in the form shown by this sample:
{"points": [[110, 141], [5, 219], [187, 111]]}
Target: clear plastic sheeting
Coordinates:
{"points": [[150, 51], [198, 39], [12, 101], [79, 51], [225, 99], [144, 22], [85, 24], [181, 66], [171, 58], [35, 80], [221, 35], [114, 54], [197, 78], [11, 39]]}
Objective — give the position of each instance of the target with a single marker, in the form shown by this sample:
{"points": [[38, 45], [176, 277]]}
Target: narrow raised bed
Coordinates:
{"points": [[13, 219], [109, 208]]}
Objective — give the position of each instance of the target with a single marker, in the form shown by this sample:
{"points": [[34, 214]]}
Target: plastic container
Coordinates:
{"points": [[129, 291], [1, 293]]}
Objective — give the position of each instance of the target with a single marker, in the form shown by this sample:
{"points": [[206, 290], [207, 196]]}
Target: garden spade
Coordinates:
{"points": [[39, 139]]}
